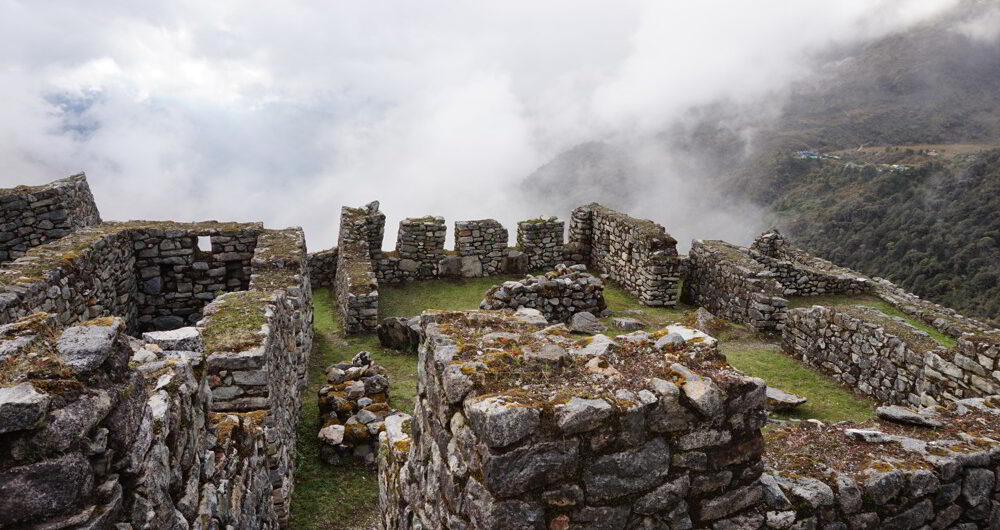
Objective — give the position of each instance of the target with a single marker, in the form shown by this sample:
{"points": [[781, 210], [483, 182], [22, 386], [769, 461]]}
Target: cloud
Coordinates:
{"points": [[283, 112]]}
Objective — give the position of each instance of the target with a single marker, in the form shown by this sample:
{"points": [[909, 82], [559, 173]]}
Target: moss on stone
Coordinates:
{"points": [[235, 324]]}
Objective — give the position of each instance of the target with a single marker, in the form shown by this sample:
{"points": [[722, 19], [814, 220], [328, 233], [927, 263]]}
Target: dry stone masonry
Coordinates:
{"points": [[188, 428], [33, 215], [542, 241], [323, 267], [558, 294], [636, 253], [889, 359], [482, 247], [519, 425]]}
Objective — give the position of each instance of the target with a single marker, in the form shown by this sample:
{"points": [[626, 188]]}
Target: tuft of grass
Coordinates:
{"points": [[236, 324], [873, 302], [829, 401]]}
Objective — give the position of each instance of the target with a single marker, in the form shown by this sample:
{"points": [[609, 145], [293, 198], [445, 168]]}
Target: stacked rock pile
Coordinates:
{"points": [[558, 294], [353, 408]]}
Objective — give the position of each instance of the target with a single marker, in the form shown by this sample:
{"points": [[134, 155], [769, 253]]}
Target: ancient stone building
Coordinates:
{"points": [[190, 427]]}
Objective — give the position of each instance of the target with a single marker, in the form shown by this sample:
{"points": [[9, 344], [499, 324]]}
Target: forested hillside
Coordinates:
{"points": [[930, 225]]}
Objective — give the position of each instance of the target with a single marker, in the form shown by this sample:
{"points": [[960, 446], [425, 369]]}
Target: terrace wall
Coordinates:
{"points": [[890, 360], [725, 280], [34, 215], [636, 253]]}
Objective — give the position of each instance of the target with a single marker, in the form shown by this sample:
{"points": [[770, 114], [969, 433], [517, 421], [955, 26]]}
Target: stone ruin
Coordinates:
{"points": [[558, 294], [631, 433], [151, 377], [193, 426], [636, 253]]}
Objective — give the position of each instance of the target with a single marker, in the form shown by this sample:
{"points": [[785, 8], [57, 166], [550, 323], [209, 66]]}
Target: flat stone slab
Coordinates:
{"points": [[778, 400], [627, 323], [898, 414], [84, 348], [180, 339], [585, 322]]}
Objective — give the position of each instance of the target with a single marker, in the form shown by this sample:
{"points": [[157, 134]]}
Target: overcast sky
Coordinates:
{"points": [[284, 111]]}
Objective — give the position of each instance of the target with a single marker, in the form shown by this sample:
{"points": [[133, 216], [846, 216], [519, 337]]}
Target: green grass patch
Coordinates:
{"points": [[340, 496], [875, 303], [411, 298], [619, 301], [236, 325], [828, 400]]}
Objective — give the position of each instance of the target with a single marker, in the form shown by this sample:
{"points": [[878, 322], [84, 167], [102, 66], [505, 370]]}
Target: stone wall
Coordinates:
{"points": [[638, 254], [890, 360], [150, 273], [725, 280], [542, 241], [883, 475], [419, 248], [485, 239], [323, 267], [356, 289], [520, 427], [85, 275], [558, 294], [177, 278], [257, 345], [33, 215], [91, 440], [352, 409]]}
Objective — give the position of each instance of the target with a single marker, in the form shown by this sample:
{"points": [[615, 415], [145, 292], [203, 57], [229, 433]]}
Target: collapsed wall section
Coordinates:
{"points": [[638, 254], [517, 426], [890, 360], [558, 294], [724, 279], [33, 215]]}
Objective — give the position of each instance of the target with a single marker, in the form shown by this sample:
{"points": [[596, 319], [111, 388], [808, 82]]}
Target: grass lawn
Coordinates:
{"points": [[873, 302], [411, 298], [829, 401], [340, 497]]}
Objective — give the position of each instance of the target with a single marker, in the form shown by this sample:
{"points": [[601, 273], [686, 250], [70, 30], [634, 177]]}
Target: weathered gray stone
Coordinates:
{"points": [[585, 322], [620, 474], [627, 323], [500, 423], [903, 415], [180, 339], [22, 407], [44, 489], [779, 400], [528, 467], [84, 348], [580, 415]]}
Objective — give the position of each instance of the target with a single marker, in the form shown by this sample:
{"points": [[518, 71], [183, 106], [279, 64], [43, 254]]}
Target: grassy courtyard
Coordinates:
{"points": [[346, 497]]}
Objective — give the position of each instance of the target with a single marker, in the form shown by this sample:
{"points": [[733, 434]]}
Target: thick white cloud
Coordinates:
{"points": [[284, 111]]}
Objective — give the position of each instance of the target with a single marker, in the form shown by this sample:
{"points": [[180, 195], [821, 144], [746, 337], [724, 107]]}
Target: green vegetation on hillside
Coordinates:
{"points": [[933, 228]]}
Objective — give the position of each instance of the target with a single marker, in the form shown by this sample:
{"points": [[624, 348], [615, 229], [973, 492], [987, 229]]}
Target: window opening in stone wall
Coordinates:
{"points": [[205, 243]]}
